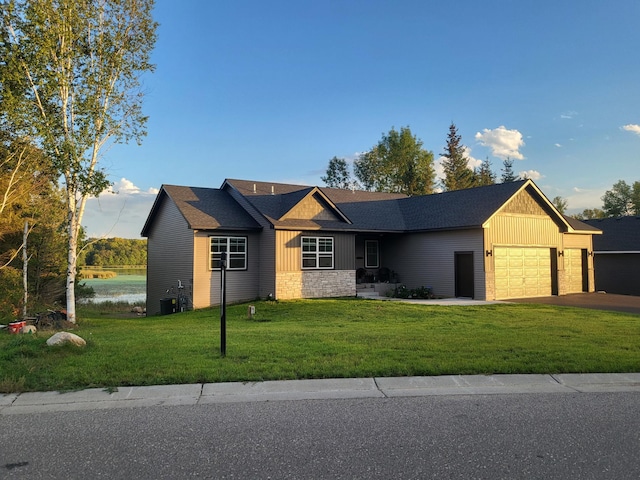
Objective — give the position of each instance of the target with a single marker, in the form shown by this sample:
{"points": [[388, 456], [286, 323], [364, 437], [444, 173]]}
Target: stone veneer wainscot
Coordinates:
{"points": [[315, 284]]}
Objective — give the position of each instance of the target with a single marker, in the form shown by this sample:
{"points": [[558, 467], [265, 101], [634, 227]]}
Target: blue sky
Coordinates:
{"points": [[273, 90]]}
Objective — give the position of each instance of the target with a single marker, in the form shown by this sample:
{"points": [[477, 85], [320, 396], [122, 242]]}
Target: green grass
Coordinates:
{"points": [[324, 339]]}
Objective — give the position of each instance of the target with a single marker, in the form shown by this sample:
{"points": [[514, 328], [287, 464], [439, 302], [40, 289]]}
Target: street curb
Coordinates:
{"points": [[340, 388]]}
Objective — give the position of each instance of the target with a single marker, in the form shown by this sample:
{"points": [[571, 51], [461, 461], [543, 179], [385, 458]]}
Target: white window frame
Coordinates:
{"points": [[366, 254], [315, 251], [234, 254]]}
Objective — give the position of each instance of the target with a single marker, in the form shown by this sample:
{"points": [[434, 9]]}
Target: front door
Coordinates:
{"points": [[464, 274]]}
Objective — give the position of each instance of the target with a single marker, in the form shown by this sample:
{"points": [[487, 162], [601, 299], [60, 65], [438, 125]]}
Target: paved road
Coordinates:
{"points": [[503, 436], [497, 426]]}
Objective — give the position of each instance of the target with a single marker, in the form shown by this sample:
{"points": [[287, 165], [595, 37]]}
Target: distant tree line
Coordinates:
{"points": [[109, 252]]}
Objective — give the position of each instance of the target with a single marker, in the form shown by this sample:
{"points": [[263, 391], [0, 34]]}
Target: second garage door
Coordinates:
{"points": [[573, 270], [522, 272]]}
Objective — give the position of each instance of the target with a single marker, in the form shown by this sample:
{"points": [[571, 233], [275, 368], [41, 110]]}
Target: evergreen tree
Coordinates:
{"points": [[457, 173], [484, 175], [507, 172]]}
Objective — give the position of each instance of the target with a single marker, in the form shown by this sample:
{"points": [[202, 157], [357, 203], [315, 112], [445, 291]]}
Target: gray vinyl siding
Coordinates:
{"points": [[241, 284], [267, 247], [428, 259], [169, 255]]}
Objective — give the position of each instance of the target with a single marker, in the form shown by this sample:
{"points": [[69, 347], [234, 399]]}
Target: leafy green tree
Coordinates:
{"points": [[507, 172], [635, 198], [618, 202], [589, 214], [398, 163], [484, 175], [560, 203], [457, 173], [338, 175], [71, 80], [23, 179]]}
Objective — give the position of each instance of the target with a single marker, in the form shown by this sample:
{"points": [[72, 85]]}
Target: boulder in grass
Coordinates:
{"points": [[62, 338], [28, 329]]}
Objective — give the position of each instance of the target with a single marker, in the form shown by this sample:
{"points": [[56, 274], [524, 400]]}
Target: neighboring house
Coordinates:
{"points": [[290, 241], [617, 255]]}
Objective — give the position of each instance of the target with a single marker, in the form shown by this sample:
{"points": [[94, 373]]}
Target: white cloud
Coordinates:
{"points": [[558, 145], [634, 128], [583, 198], [473, 163], [503, 143], [568, 115], [532, 174], [119, 211]]}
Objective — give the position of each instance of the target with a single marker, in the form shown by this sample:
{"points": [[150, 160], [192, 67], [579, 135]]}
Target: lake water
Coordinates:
{"points": [[128, 287]]}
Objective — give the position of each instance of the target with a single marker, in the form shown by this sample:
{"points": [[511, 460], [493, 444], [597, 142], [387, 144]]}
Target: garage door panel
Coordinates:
{"points": [[573, 270], [522, 272]]}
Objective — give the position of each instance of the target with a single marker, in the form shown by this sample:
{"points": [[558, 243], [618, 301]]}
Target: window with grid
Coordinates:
{"points": [[236, 248], [317, 252], [372, 255]]}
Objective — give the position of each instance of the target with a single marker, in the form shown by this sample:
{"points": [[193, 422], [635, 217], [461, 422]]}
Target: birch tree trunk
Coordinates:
{"points": [[74, 68]]}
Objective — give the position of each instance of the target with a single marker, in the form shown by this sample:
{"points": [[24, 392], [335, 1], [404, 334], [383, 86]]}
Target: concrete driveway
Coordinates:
{"points": [[597, 301]]}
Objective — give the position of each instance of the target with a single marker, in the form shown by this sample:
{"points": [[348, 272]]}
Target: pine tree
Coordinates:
{"points": [[458, 175], [507, 172], [484, 175]]}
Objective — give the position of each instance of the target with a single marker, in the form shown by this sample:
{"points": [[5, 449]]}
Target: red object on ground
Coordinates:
{"points": [[14, 327]]}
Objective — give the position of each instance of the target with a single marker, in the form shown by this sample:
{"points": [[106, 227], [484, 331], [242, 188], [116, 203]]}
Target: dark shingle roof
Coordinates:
{"points": [[458, 209], [580, 225], [207, 208], [620, 234], [380, 211]]}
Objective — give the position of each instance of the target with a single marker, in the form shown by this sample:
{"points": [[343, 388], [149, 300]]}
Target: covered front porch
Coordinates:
{"points": [[375, 273]]}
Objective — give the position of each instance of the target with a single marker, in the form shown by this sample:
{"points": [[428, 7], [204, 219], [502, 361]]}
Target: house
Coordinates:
{"points": [[617, 255], [291, 241]]}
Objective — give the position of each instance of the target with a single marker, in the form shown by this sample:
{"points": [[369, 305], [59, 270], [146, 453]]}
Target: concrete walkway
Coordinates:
{"points": [[208, 393]]}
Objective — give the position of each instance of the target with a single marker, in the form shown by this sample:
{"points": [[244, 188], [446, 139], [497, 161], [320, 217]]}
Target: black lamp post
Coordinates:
{"points": [[223, 304]]}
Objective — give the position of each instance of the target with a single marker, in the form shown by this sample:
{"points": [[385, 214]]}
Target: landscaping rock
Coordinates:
{"points": [[62, 338], [137, 309], [28, 329]]}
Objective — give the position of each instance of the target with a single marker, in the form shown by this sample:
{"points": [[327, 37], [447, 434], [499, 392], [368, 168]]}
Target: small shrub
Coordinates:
{"points": [[403, 292]]}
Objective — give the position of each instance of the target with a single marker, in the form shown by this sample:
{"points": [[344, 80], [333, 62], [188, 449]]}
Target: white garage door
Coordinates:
{"points": [[522, 272], [573, 270]]}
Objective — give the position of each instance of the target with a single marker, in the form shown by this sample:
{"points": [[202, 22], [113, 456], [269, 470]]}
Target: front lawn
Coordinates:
{"points": [[324, 339]]}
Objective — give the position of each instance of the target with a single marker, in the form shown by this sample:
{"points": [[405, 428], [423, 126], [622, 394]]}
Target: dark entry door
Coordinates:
{"points": [[464, 274]]}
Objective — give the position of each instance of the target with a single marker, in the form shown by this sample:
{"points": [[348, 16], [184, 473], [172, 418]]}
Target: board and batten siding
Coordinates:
{"points": [[294, 282], [169, 255], [428, 259], [289, 253], [512, 230], [267, 248], [241, 284]]}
